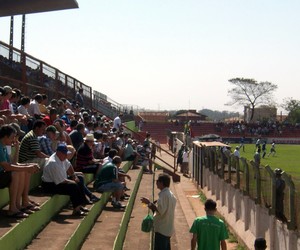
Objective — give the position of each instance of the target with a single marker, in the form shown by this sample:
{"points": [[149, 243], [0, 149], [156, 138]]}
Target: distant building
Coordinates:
{"points": [[260, 113], [189, 115]]}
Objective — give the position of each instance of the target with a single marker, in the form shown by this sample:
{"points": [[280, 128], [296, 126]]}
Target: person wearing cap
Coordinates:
{"points": [[15, 176], [67, 116], [260, 244], [280, 186], [85, 161], [208, 231], [55, 179]]}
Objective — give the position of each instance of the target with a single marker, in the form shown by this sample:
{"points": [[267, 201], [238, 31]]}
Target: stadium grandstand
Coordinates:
{"points": [[245, 193]]}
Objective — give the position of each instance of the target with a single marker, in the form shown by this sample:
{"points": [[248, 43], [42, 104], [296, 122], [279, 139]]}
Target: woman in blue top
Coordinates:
{"points": [[15, 176]]}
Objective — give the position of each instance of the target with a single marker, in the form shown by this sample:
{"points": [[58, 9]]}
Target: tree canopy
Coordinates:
{"points": [[293, 107], [249, 92]]}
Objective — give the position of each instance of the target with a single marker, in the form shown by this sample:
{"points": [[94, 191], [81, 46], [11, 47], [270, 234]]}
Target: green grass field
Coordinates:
{"points": [[287, 158]]}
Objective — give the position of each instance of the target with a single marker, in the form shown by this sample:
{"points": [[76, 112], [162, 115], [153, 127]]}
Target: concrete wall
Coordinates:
{"points": [[247, 219]]}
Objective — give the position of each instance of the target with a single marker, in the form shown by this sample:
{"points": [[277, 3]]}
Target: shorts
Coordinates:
{"points": [[5, 179], [110, 187]]}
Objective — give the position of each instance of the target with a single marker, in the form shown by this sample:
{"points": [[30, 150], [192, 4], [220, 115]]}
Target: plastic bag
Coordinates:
{"points": [[147, 224]]}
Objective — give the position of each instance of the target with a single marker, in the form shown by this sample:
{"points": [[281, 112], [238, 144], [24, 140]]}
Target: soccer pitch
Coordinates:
{"points": [[287, 158]]}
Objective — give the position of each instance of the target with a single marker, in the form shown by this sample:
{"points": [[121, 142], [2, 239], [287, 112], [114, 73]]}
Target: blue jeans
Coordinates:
{"points": [[110, 187], [161, 242]]}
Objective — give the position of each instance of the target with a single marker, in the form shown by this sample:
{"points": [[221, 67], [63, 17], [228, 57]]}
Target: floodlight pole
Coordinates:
{"points": [[11, 38]]}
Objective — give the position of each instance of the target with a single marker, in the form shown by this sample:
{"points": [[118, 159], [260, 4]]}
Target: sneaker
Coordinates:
{"points": [[118, 204], [94, 199], [124, 198], [126, 195]]}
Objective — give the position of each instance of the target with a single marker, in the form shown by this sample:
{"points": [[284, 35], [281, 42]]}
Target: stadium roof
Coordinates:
{"points": [[19, 7]]}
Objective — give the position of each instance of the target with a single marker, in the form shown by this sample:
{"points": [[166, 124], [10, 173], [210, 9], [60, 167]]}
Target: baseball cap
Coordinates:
{"points": [[69, 112], [16, 126], [63, 149]]}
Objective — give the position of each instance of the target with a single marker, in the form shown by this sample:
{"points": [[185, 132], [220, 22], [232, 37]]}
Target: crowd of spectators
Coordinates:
{"points": [[62, 140]]}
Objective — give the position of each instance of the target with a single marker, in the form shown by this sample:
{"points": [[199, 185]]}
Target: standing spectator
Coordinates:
{"points": [[179, 156], [264, 149], [30, 150], [260, 244], [185, 162], [257, 157], [236, 152], [208, 231], [79, 97], [118, 122], [242, 144], [153, 151], [164, 211], [158, 147], [280, 186], [272, 150]]}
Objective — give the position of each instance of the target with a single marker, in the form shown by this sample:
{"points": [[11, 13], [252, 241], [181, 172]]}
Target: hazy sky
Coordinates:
{"points": [[169, 54]]}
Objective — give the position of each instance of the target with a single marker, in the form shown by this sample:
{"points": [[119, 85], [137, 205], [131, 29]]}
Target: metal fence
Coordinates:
{"points": [[257, 182]]}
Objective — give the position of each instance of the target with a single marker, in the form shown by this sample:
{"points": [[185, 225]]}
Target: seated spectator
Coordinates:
{"points": [[130, 154], [99, 147], [15, 176], [85, 161], [46, 141], [107, 180], [67, 117], [30, 150], [111, 154], [55, 180], [49, 119], [34, 109], [73, 125], [43, 104], [77, 135]]}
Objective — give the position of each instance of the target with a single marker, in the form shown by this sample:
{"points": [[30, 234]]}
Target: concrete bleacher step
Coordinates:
{"points": [[17, 234], [135, 238], [68, 231], [110, 227]]}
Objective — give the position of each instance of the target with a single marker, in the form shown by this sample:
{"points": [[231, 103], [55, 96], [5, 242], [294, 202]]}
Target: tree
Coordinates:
{"points": [[293, 107], [248, 92]]}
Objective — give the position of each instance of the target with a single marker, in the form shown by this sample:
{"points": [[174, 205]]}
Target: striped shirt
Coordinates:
{"points": [[29, 145]]}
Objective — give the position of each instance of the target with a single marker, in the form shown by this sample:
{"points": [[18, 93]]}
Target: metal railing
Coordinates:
{"points": [[259, 183]]}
